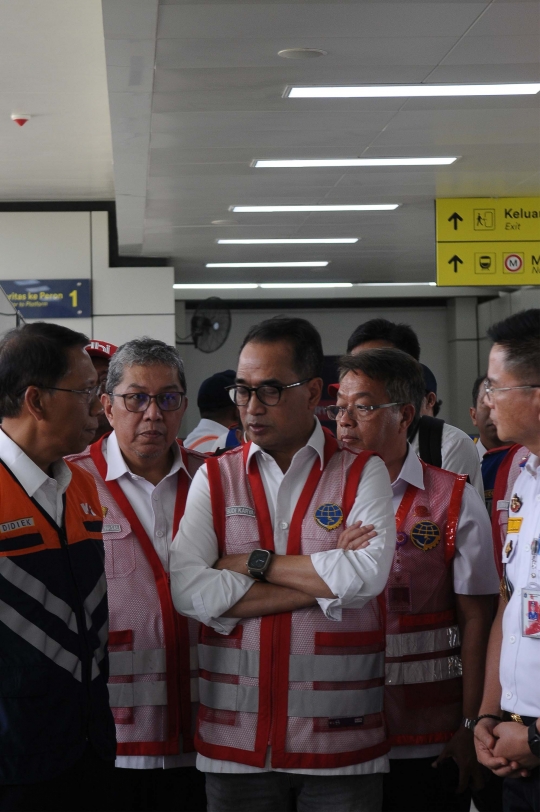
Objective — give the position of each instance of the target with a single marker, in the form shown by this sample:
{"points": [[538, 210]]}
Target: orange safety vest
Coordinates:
{"points": [[310, 688], [423, 667], [152, 649]]}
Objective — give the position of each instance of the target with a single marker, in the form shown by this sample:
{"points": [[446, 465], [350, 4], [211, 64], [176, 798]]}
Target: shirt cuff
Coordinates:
{"points": [[224, 625], [332, 566]]}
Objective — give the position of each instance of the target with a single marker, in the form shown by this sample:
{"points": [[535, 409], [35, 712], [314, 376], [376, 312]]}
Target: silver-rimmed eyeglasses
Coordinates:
{"points": [[358, 411], [490, 390], [269, 395], [140, 401]]}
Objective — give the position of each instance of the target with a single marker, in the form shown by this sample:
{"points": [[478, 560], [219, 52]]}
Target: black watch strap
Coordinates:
{"points": [[534, 739]]}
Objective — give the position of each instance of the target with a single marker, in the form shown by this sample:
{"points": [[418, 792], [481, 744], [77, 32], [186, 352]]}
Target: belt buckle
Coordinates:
{"points": [[517, 718]]}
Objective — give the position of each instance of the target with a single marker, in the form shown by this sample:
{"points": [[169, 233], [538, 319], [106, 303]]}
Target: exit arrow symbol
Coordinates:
{"points": [[455, 259], [455, 217]]}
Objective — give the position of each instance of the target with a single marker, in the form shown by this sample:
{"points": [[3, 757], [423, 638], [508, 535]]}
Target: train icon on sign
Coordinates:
{"points": [[513, 263], [484, 263], [484, 219]]}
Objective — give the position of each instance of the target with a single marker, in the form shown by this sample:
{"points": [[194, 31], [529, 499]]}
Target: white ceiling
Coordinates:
{"points": [[52, 66]]}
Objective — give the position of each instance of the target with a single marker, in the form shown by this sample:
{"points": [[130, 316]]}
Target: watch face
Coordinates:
{"points": [[258, 559]]}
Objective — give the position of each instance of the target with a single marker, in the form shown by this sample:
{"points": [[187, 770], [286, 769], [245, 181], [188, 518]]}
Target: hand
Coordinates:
{"points": [[512, 745], [234, 563], [461, 749], [356, 537], [485, 741]]}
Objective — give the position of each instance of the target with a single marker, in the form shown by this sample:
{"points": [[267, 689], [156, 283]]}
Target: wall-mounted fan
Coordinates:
{"points": [[210, 325]]}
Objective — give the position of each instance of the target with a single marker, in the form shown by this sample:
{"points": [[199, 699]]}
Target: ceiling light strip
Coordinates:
{"points": [[338, 207], [393, 91], [329, 241], [302, 163], [292, 285], [266, 264]]}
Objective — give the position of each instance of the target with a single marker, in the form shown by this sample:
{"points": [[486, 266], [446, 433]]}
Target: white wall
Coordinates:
{"points": [[497, 309], [127, 302], [335, 326]]}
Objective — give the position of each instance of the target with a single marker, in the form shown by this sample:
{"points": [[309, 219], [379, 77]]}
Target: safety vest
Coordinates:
{"points": [[310, 688], [508, 472], [152, 649], [423, 698], [53, 632]]}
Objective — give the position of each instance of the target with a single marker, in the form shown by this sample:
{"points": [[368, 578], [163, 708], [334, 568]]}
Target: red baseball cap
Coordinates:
{"points": [[100, 349], [333, 389]]}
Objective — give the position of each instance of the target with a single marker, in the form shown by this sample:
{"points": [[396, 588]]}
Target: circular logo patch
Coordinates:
{"points": [[402, 538], [329, 516], [425, 535]]}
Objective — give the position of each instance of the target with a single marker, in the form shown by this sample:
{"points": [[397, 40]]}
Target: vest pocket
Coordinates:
{"points": [[119, 551]]}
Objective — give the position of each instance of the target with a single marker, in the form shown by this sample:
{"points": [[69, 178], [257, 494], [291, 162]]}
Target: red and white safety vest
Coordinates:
{"points": [[310, 688], [152, 649], [509, 470], [423, 698]]}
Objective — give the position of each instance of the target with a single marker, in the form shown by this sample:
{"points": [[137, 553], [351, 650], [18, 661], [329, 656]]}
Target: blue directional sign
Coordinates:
{"points": [[49, 298]]}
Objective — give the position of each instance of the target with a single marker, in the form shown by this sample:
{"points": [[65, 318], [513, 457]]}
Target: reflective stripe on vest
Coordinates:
{"points": [[37, 590], [145, 661], [402, 645], [423, 671], [37, 638], [136, 694]]}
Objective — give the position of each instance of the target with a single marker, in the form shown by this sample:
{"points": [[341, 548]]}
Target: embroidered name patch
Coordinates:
{"points": [[112, 528], [329, 516], [514, 525], [16, 524], [425, 535], [239, 510]]}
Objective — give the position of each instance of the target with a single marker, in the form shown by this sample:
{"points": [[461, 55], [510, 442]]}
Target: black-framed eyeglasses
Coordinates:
{"points": [[140, 401], [268, 395], [358, 411]]}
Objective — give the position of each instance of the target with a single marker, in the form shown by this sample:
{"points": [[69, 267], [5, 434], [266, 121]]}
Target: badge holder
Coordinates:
{"points": [[530, 598]]}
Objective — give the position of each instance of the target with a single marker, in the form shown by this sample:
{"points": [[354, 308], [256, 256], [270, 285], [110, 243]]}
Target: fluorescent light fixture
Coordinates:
{"points": [[352, 162], [388, 91], [360, 207], [329, 241], [216, 286], [266, 264], [393, 284], [287, 285]]}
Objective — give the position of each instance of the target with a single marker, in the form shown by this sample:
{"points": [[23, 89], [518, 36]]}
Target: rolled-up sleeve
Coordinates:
{"points": [[198, 591], [356, 576]]}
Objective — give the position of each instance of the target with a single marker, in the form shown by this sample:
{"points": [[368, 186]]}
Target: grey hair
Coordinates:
{"points": [[144, 351], [400, 373]]}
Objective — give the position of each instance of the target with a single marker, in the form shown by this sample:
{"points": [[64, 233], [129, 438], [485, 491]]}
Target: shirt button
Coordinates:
{"points": [[508, 695], [512, 638], [155, 497], [527, 548], [283, 525], [159, 534]]}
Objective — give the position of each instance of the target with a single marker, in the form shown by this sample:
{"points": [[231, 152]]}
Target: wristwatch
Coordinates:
{"points": [[258, 562], [468, 724], [534, 740]]}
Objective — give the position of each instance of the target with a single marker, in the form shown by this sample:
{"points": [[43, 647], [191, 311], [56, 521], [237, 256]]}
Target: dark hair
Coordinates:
{"points": [[401, 336], [401, 374], [437, 407], [476, 389], [34, 355], [519, 335], [300, 334]]}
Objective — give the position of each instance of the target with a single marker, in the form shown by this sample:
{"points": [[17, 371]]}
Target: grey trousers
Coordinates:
{"points": [[286, 792]]}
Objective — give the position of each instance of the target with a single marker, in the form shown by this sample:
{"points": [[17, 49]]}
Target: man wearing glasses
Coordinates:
{"points": [[440, 594], [143, 477], [508, 731], [292, 648], [57, 738]]}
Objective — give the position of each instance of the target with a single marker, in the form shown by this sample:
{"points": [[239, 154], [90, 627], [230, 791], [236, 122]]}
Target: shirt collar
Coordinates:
{"points": [[533, 465], [316, 441], [30, 475], [117, 466], [411, 472]]}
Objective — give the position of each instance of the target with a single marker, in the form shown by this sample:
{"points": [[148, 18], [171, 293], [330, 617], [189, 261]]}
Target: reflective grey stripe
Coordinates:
{"points": [[145, 661], [94, 598], [335, 667], [36, 589], [401, 645], [135, 694], [229, 660], [423, 671], [335, 703], [223, 696], [100, 652], [42, 642]]}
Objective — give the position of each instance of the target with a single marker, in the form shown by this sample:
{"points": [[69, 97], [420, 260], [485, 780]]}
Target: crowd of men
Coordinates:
{"points": [[270, 616]]}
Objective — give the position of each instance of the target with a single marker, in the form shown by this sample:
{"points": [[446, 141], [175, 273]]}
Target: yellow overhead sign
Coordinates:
{"points": [[488, 241]]}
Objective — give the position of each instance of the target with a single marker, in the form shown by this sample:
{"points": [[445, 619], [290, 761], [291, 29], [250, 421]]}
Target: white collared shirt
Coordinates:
{"points": [[206, 436], [47, 491], [474, 567], [353, 576], [520, 656], [458, 454], [154, 507]]}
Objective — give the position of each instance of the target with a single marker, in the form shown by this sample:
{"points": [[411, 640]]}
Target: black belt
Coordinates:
{"points": [[516, 717]]}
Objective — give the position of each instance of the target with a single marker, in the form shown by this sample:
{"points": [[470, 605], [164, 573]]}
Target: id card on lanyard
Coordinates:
{"points": [[530, 597]]}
